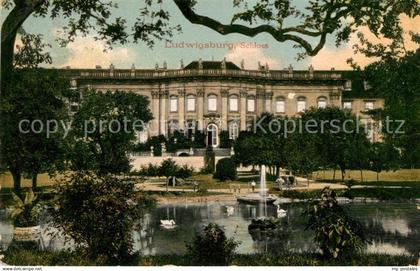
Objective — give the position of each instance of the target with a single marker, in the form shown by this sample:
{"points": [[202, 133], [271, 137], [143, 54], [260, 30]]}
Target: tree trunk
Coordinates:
{"points": [[343, 172], [34, 181], [334, 175], [361, 175], [17, 181], [377, 176], [11, 25]]}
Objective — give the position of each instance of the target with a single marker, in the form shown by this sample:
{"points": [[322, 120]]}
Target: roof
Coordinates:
{"points": [[212, 65]]}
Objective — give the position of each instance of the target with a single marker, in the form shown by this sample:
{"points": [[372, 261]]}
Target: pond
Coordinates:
{"points": [[392, 228]]}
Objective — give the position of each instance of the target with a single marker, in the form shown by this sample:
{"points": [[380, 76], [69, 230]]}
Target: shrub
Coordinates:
{"points": [[225, 169], [212, 247], [25, 213], [337, 235], [99, 214], [209, 161], [183, 154]]}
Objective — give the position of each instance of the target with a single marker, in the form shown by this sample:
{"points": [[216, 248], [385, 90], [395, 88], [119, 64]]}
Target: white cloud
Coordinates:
{"points": [[330, 57], [251, 56], [86, 52]]}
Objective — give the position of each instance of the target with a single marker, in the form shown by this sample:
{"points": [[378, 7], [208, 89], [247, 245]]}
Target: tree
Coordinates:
{"points": [[396, 79], [383, 156], [29, 102], [337, 235], [316, 20], [104, 130], [335, 133], [168, 168], [212, 247], [99, 215]]}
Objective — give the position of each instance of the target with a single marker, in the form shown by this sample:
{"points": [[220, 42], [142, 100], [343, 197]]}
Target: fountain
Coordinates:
{"points": [[263, 192], [260, 197]]}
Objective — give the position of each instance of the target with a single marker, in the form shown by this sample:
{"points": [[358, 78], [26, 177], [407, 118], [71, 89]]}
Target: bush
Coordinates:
{"points": [[337, 235], [99, 214], [212, 247], [225, 169], [209, 162]]}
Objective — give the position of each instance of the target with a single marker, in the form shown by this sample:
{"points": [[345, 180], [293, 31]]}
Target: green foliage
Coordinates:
{"points": [[337, 235], [212, 247], [225, 169], [25, 97], [209, 161], [25, 213], [105, 127], [167, 168], [225, 141], [396, 79], [99, 214], [23, 257]]}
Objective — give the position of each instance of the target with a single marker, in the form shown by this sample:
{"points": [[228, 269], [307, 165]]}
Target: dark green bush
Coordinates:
{"points": [[212, 247], [99, 214], [337, 235], [225, 169]]}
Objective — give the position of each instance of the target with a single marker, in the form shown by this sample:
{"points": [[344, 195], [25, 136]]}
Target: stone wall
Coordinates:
{"points": [[197, 162]]}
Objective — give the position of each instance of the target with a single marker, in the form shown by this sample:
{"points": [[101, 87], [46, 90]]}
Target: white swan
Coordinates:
{"points": [[280, 212], [167, 223], [230, 210]]}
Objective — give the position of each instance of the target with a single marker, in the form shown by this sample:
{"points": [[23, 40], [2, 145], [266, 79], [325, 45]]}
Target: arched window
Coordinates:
{"points": [[233, 103], [233, 130], [250, 105], [173, 104], [212, 102], [322, 102], [301, 104], [190, 103], [212, 135], [280, 105]]}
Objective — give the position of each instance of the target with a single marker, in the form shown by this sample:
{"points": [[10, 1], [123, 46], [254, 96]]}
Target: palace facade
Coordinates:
{"points": [[215, 96]]}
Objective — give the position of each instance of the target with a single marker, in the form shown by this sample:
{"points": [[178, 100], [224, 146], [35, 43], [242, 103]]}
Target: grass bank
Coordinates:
{"points": [[65, 258]]}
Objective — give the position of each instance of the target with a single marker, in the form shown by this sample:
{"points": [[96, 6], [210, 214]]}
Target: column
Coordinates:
{"points": [[200, 108], [163, 111], [181, 108], [259, 102], [224, 93], [154, 126], [243, 95], [269, 102]]}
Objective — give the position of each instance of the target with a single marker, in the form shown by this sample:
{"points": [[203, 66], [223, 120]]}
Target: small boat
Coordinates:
{"points": [[281, 212], [255, 198], [167, 223]]}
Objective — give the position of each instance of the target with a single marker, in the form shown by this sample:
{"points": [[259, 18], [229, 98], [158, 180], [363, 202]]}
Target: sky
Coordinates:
{"points": [[85, 52]]}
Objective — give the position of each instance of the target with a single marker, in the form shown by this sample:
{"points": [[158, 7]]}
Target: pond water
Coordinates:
{"points": [[392, 228]]}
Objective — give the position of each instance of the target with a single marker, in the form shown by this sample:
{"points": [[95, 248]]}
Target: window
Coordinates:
{"points": [[173, 104], [322, 102], [301, 104], [233, 130], [368, 105], [212, 135], [190, 103], [212, 102], [347, 105], [280, 105], [251, 104], [190, 129], [233, 103]]}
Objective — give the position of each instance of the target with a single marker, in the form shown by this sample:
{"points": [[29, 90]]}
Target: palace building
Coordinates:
{"points": [[215, 96]]}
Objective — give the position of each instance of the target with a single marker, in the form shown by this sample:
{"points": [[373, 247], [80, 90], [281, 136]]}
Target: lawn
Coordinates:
{"points": [[368, 176], [6, 180]]}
